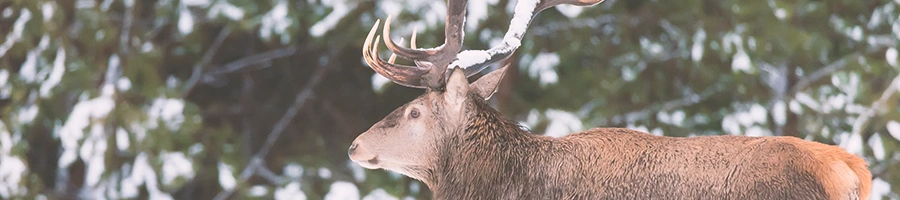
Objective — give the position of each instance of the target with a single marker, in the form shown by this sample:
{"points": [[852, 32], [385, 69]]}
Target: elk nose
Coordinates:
{"points": [[352, 148]]}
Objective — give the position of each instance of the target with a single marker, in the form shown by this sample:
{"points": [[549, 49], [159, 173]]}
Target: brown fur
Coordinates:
{"points": [[493, 158]]}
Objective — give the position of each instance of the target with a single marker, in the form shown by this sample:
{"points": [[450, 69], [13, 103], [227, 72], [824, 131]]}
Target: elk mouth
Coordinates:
{"points": [[368, 163]]}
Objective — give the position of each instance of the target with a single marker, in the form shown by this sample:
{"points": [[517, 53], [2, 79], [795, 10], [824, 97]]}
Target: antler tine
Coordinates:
{"points": [[407, 53], [475, 61], [408, 76]]}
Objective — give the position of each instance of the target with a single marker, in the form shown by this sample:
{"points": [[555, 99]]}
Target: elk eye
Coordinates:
{"points": [[414, 113]]}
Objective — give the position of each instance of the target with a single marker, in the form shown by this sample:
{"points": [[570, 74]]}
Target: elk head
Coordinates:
{"points": [[408, 139]]}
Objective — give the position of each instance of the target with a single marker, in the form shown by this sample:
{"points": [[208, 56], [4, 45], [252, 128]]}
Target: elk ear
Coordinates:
{"points": [[457, 88], [487, 85]]}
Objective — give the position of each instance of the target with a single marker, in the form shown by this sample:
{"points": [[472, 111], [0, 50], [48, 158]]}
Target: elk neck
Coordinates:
{"points": [[490, 152]]}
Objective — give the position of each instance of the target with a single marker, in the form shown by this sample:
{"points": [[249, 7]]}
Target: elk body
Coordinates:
{"points": [[453, 141]]}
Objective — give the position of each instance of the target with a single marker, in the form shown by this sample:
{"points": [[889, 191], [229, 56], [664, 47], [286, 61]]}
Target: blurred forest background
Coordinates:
{"points": [[244, 99]]}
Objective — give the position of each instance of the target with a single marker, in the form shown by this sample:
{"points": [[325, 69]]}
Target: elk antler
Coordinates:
{"points": [[432, 64]]}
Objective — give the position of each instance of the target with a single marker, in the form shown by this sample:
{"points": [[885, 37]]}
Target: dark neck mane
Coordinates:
{"points": [[479, 161]]}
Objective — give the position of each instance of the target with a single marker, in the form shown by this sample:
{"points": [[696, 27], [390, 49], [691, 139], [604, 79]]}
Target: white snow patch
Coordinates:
{"points": [[877, 146], [226, 177], [122, 140], [123, 84], [379, 81], [756, 131], [185, 21], [168, 110], [290, 191], [12, 170], [779, 113], [59, 67], [730, 125], [758, 113], [880, 189], [893, 128], [741, 61], [228, 10], [18, 28], [468, 58], [328, 23], [856, 33], [477, 11], [199, 3], [562, 123], [174, 165], [341, 190], [47, 11], [570, 11], [324, 173], [697, 47], [85, 113], [808, 101], [852, 143], [542, 67], [379, 194], [258, 191], [780, 13], [891, 57], [143, 173], [293, 170], [27, 113]]}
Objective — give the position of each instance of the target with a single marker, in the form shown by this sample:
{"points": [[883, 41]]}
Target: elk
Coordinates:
{"points": [[453, 141]]}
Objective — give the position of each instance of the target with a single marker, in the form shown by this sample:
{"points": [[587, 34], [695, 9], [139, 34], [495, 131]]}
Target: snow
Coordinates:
{"points": [[359, 174], [185, 21], [293, 170], [877, 146], [92, 152], [779, 113], [143, 174], [542, 67], [226, 177], [741, 61], [290, 191], [469, 58], [697, 48], [12, 170], [169, 110], [893, 128], [780, 13], [807, 101], [730, 125], [123, 84], [27, 113], [880, 188], [122, 140], [47, 11], [758, 113], [521, 17], [18, 28], [174, 165], [258, 191], [856, 33], [891, 57], [476, 13], [228, 10], [852, 143], [341, 190], [198, 3], [569, 11], [323, 26], [59, 67], [324, 173], [379, 81], [562, 123], [379, 194]]}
